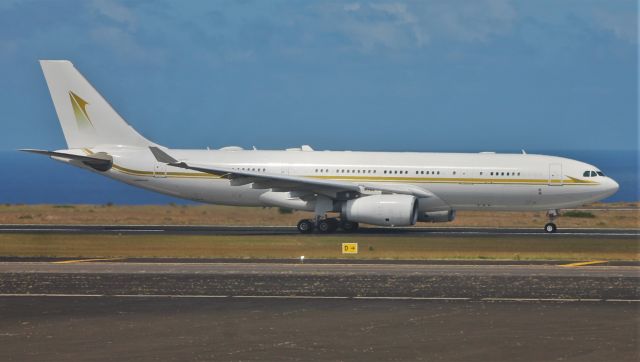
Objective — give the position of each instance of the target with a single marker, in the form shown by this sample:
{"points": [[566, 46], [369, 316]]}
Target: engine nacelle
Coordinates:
{"points": [[437, 216], [384, 210]]}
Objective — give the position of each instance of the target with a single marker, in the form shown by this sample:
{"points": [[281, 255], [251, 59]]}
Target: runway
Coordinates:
{"points": [[105, 310], [467, 282], [290, 230]]}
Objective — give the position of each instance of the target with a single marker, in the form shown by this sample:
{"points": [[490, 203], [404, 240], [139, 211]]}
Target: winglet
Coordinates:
{"points": [[162, 156]]}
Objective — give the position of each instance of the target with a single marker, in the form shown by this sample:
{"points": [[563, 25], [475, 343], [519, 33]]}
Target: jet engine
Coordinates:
{"points": [[384, 210]]}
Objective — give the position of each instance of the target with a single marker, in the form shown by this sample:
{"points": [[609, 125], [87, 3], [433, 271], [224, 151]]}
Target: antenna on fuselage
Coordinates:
{"points": [[524, 152]]}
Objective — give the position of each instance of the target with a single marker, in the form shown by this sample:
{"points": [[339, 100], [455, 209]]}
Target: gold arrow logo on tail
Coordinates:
{"points": [[79, 110]]}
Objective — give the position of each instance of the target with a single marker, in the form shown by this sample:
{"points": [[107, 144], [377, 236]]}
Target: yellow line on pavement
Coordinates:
{"points": [[585, 263], [84, 260]]}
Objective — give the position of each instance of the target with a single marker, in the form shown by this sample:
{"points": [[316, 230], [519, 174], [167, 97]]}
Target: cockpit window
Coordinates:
{"points": [[592, 173]]}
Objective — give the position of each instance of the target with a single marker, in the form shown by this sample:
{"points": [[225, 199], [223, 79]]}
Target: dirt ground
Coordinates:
{"points": [[614, 215]]}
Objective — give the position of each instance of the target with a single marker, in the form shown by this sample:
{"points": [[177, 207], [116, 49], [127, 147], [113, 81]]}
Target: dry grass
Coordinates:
{"points": [[316, 246], [227, 215]]}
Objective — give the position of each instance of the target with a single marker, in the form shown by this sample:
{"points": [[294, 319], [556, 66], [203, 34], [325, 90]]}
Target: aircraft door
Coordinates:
{"points": [[555, 174], [160, 170]]}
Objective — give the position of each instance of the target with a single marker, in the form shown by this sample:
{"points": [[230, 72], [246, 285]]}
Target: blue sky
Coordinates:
{"points": [[370, 75]]}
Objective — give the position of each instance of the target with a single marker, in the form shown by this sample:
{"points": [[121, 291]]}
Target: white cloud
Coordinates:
{"points": [[6, 4], [413, 24], [114, 11], [623, 25], [352, 7], [472, 21], [124, 44]]}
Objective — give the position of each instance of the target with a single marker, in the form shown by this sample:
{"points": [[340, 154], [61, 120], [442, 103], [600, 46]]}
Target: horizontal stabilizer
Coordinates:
{"points": [[100, 161]]}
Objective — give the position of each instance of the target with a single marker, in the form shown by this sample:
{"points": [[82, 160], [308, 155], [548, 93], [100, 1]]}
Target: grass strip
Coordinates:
{"points": [[316, 246]]}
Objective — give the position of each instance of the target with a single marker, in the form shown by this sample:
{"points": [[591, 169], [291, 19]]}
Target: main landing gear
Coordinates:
{"points": [[326, 225], [551, 227]]}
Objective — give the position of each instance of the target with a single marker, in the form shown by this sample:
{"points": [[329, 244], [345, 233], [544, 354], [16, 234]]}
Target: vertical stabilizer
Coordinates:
{"points": [[87, 119]]}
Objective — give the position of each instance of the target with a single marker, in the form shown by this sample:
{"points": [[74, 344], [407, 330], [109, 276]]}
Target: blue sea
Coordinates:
{"points": [[34, 179]]}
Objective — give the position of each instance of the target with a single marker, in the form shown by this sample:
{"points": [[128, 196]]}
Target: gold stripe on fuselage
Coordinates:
{"points": [[571, 181]]}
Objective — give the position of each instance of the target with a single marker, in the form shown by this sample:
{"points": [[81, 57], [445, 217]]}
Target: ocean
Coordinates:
{"points": [[34, 179]]}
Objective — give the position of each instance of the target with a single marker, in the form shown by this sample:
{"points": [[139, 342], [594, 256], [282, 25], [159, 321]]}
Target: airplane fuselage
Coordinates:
{"points": [[461, 181]]}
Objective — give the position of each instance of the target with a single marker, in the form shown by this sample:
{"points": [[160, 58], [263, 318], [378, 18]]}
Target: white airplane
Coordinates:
{"points": [[378, 188]]}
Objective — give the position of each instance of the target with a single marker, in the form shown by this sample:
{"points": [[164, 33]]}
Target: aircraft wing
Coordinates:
{"points": [[288, 182]]}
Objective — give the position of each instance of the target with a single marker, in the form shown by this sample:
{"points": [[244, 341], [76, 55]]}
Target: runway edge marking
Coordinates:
{"points": [[195, 296], [584, 263], [85, 260]]}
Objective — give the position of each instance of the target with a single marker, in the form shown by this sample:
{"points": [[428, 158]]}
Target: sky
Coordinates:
{"points": [[477, 75]]}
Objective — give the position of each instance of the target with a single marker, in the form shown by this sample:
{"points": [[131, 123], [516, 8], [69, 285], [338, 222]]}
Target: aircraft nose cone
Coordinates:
{"points": [[611, 187], [614, 186]]}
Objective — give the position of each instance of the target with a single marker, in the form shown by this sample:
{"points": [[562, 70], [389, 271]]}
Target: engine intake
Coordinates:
{"points": [[384, 210]]}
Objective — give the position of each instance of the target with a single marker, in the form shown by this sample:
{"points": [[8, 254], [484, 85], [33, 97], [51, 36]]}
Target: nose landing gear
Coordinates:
{"points": [[551, 227]]}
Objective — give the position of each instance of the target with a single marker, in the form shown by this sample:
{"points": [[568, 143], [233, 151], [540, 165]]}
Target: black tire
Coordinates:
{"points": [[334, 223], [349, 226], [550, 228], [324, 226], [305, 226]]}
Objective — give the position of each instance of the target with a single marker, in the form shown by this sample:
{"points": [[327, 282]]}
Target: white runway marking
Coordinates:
{"points": [[195, 296], [540, 300]]}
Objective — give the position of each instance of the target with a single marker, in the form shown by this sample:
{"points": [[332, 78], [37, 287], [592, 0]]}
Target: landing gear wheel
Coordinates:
{"points": [[305, 226], [349, 226], [327, 226], [323, 227], [550, 228]]}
